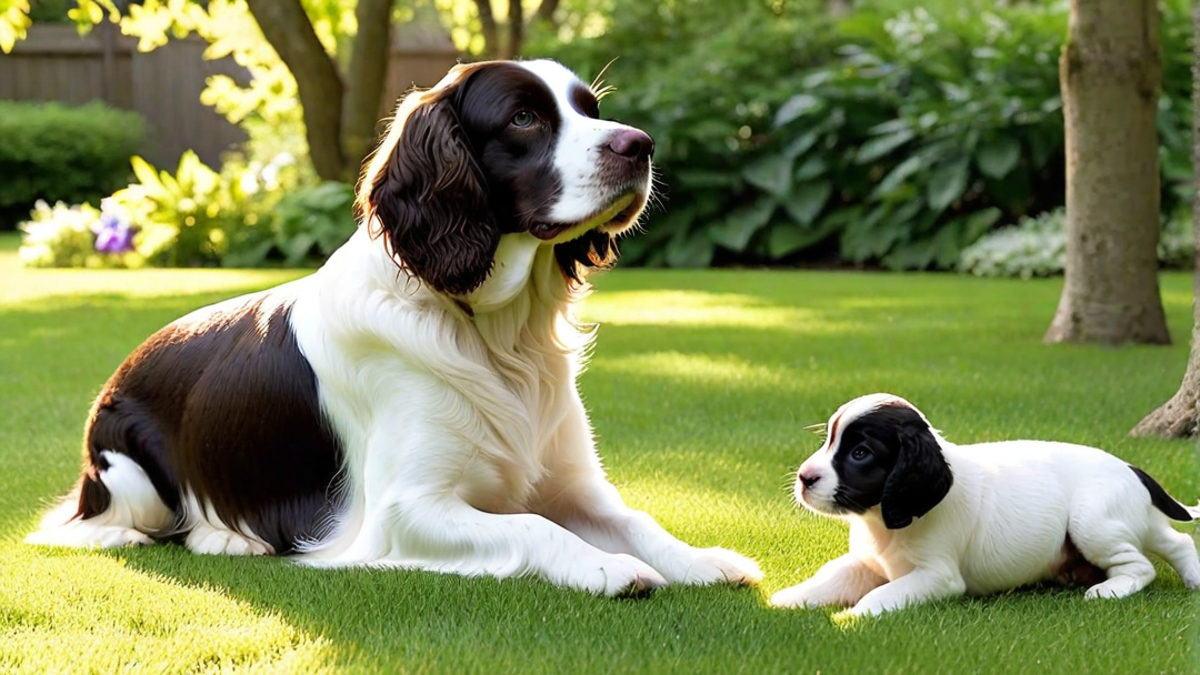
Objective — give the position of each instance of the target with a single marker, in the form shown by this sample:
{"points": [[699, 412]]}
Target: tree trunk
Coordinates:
{"points": [[491, 32], [364, 83], [1180, 416], [516, 29], [288, 29], [1111, 72]]}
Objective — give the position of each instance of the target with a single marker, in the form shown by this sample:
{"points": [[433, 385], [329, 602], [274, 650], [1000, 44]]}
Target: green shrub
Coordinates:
{"points": [[246, 215], [896, 139], [54, 153], [308, 222]]}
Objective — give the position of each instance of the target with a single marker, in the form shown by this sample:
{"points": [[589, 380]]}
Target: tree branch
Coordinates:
{"points": [[545, 12], [285, 25], [364, 83]]}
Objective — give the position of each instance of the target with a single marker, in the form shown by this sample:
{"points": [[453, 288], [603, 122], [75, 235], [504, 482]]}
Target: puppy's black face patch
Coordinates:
{"points": [[890, 458], [863, 461]]}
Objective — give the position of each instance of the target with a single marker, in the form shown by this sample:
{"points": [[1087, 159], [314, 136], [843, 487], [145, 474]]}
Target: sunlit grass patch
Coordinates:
{"points": [[700, 387], [66, 612]]}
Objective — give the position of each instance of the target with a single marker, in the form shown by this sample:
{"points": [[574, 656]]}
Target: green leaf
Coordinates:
{"points": [[811, 168], [977, 224], [787, 238], [741, 225], [801, 144], [689, 251], [881, 145], [795, 107], [144, 172], [998, 157], [804, 204], [897, 176], [947, 183], [771, 173], [707, 178]]}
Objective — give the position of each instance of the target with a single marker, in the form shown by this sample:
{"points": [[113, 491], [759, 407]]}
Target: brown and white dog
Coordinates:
{"points": [[930, 519], [413, 403]]}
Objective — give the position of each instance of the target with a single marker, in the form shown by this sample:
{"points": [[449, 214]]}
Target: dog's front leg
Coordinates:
{"points": [[921, 585], [841, 582], [577, 495]]}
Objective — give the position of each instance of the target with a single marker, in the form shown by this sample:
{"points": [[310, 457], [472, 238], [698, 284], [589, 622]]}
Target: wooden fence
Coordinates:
{"points": [[55, 63]]}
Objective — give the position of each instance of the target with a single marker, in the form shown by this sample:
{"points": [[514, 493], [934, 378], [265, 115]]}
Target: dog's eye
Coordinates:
{"points": [[860, 453], [523, 119]]}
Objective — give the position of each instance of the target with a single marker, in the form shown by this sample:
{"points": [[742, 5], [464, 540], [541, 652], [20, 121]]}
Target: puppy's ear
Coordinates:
{"points": [[919, 481], [593, 250], [429, 200]]}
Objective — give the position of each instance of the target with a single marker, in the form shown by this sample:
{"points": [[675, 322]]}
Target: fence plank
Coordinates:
{"points": [[55, 63]]}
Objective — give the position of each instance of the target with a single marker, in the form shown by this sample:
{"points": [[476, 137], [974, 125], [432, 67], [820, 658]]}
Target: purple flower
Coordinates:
{"points": [[114, 234]]}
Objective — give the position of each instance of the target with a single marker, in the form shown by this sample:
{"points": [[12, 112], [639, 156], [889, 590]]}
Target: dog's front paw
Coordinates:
{"points": [[719, 566], [624, 576]]}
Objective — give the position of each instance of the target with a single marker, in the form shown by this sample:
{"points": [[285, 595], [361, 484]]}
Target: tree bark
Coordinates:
{"points": [[545, 12], [516, 29], [285, 25], [1180, 416], [491, 33], [364, 83], [1111, 72]]}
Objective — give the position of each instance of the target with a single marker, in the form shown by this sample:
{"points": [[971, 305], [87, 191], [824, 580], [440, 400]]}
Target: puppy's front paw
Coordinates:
{"points": [[720, 566], [624, 576], [794, 597]]}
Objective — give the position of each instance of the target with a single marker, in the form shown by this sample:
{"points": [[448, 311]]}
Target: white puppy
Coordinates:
{"points": [[989, 517]]}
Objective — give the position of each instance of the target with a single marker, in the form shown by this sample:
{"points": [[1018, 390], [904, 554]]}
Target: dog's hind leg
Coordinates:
{"points": [[1179, 550], [1113, 545]]}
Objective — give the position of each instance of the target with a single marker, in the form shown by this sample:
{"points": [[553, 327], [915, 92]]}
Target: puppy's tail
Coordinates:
{"points": [[1165, 502]]}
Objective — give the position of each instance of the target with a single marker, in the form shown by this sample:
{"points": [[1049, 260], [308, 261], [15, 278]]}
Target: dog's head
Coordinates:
{"points": [[879, 451], [503, 147]]}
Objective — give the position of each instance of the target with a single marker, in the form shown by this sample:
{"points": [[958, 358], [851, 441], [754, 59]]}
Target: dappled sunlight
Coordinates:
{"points": [[23, 284], [72, 612], [699, 308], [788, 542], [726, 369]]}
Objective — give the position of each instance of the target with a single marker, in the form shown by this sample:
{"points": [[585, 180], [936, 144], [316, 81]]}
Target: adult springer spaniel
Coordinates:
{"points": [[413, 403], [930, 519]]}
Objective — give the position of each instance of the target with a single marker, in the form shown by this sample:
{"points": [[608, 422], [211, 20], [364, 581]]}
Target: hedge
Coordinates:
{"points": [[53, 152]]}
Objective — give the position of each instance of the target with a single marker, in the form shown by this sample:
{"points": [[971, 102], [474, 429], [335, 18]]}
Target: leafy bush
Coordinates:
{"points": [[307, 222], [1037, 247], [54, 153], [896, 139], [246, 215]]}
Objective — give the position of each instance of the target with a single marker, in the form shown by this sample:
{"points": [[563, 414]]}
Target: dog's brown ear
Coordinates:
{"points": [[919, 481], [428, 198]]}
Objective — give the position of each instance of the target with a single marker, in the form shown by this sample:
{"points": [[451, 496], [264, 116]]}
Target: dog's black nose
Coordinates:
{"points": [[808, 480], [631, 143]]}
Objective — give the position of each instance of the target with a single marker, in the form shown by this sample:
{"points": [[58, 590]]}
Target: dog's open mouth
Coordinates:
{"points": [[612, 219]]}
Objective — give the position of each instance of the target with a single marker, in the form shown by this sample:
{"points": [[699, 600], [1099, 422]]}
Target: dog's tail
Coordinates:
{"points": [[1165, 502]]}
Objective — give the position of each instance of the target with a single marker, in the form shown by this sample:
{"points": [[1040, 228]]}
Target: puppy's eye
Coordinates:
{"points": [[860, 453], [523, 119]]}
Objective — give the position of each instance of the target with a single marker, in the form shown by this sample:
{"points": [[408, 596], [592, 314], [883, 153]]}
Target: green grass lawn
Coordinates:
{"points": [[699, 388]]}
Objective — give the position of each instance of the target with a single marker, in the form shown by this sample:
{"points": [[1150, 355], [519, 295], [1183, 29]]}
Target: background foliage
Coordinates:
{"points": [[893, 136], [55, 153], [897, 134]]}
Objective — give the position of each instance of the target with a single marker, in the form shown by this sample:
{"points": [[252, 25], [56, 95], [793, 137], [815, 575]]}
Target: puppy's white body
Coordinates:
{"points": [[1018, 512]]}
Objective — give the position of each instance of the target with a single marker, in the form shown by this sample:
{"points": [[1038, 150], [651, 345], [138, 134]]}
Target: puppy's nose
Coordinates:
{"points": [[633, 144], [808, 479]]}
